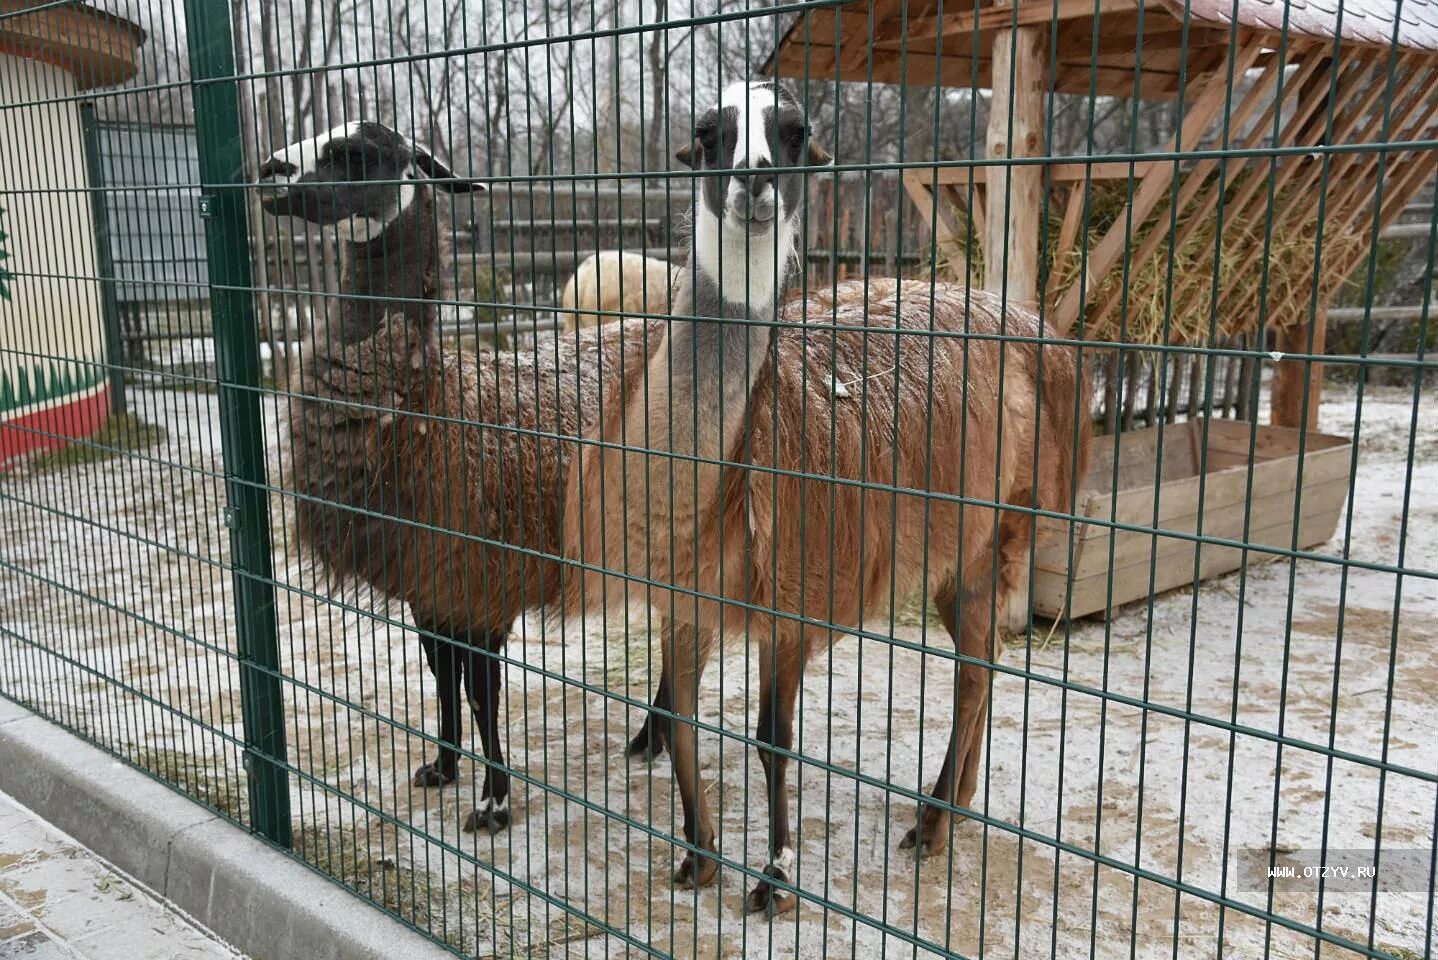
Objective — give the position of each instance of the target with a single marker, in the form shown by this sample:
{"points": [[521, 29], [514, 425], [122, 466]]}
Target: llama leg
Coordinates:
{"points": [[1014, 535], [444, 663], [653, 736], [972, 627], [972, 753], [484, 680], [683, 663], [778, 689]]}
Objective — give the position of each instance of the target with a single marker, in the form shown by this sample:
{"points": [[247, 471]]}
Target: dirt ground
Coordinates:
{"points": [[118, 569]]}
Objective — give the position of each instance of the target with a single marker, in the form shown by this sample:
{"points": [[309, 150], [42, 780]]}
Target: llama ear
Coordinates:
{"points": [[818, 156], [442, 175], [685, 154]]}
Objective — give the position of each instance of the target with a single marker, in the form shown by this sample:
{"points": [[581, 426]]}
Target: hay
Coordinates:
{"points": [[1186, 277]]}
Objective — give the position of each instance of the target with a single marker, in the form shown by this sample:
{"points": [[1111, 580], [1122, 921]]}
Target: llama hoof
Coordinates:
{"points": [[690, 876], [430, 775], [926, 847], [769, 898], [646, 745], [488, 816]]}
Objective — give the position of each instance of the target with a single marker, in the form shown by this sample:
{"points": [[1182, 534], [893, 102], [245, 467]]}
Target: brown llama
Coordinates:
{"points": [[796, 467]]}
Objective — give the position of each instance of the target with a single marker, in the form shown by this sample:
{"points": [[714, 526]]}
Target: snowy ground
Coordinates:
{"points": [[112, 570]]}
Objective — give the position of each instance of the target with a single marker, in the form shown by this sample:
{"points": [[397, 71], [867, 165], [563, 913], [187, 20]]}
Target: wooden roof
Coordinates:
{"points": [[914, 45], [101, 49]]}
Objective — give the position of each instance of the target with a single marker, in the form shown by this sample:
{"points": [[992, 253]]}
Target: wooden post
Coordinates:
{"points": [[1011, 230], [1014, 198], [1289, 376]]}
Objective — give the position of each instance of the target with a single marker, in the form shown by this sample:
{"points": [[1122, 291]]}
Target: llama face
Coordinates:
{"points": [[755, 128], [746, 220], [354, 177]]}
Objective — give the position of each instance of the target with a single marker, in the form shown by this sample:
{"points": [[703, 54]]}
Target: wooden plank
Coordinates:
{"points": [[1153, 185], [1232, 436], [1270, 525], [1057, 172], [1120, 34], [1223, 513], [1073, 216], [1068, 232], [943, 226], [1131, 583], [862, 31], [1178, 499], [822, 62], [964, 22], [920, 191], [1275, 468], [1015, 195]]}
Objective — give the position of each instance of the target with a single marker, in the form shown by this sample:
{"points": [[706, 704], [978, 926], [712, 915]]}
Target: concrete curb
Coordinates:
{"points": [[252, 896]]}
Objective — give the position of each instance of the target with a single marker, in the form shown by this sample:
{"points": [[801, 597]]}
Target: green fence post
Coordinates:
{"points": [[227, 246]]}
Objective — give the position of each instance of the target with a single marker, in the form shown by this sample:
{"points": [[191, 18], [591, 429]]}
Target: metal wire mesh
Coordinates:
{"points": [[331, 500]]}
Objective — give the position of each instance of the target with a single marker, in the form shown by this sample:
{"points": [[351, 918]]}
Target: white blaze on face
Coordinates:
{"points": [[754, 104], [755, 257], [304, 155]]}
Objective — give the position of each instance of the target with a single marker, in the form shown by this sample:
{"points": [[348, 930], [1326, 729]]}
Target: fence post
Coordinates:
{"points": [[227, 246], [105, 259]]}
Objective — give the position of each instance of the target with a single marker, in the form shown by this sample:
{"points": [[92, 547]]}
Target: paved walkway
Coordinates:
{"points": [[58, 902]]}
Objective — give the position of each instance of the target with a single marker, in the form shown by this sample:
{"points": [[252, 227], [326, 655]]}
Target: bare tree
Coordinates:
{"points": [[659, 86]]}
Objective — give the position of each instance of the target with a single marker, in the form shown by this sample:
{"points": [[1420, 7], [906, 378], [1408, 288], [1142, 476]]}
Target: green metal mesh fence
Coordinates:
{"points": [[1014, 446]]}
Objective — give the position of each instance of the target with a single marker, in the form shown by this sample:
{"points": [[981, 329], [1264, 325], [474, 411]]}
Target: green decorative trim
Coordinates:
{"points": [[49, 380]]}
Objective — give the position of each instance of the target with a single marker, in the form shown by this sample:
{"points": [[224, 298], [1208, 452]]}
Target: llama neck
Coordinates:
{"points": [[393, 272], [694, 403], [699, 382], [735, 282], [750, 270]]}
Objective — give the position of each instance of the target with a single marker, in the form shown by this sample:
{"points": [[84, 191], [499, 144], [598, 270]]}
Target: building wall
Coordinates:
{"points": [[52, 346]]}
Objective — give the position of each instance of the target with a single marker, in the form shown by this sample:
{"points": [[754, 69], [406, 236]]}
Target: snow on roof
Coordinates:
{"points": [[1358, 21]]}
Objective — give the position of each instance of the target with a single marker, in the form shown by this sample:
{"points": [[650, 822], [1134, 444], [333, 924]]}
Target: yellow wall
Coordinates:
{"points": [[51, 326]]}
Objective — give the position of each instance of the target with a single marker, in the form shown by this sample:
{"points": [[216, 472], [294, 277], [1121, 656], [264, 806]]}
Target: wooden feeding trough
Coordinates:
{"points": [[1133, 563]]}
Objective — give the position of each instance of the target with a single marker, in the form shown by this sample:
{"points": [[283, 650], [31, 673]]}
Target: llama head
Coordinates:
{"points": [[746, 208], [355, 176]]}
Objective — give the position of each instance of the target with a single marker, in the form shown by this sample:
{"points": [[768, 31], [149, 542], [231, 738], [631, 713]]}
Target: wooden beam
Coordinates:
{"points": [[939, 215], [1068, 233], [1206, 106], [1057, 172], [1028, 13], [1290, 376], [864, 30], [1011, 254], [1014, 195]]}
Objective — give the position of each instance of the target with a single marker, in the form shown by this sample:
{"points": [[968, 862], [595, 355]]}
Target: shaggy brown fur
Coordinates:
{"points": [[924, 417], [437, 478]]}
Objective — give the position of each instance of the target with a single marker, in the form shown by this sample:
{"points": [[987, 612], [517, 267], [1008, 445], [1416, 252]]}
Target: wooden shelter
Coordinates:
{"points": [[1237, 67]]}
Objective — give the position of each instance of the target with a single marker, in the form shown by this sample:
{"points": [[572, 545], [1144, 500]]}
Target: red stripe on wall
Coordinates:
{"points": [[53, 427]]}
